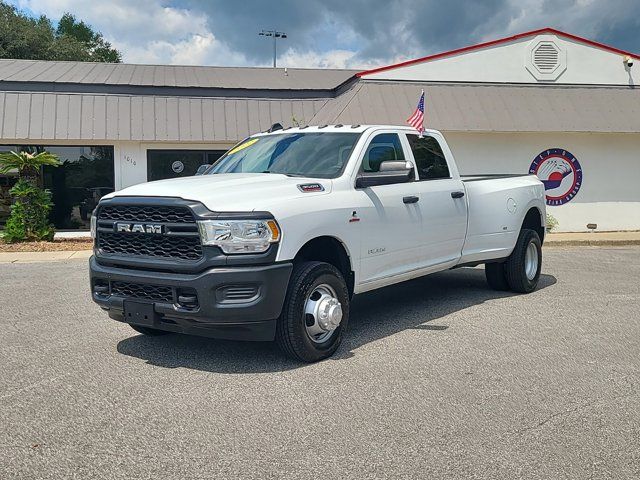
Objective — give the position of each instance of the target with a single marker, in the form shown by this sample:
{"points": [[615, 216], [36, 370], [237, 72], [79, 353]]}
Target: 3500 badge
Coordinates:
{"points": [[561, 174]]}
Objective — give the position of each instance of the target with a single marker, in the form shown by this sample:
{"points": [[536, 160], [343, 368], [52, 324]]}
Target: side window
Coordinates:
{"points": [[382, 148], [429, 158]]}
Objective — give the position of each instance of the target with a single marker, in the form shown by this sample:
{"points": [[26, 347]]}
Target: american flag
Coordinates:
{"points": [[417, 119]]}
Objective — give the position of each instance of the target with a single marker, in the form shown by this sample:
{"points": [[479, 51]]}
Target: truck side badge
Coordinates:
{"points": [[311, 187], [354, 217]]}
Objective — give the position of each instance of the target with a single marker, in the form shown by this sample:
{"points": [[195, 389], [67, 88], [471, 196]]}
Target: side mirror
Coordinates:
{"points": [[390, 172], [202, 169], [395, 166]]}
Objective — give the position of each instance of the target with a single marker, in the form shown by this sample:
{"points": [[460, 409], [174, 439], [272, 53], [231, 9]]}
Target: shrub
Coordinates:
{"points": [[29, 219], [552, 223]]}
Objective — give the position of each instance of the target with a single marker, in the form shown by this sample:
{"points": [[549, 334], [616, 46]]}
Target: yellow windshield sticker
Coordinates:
{"points": [[242, 146]]}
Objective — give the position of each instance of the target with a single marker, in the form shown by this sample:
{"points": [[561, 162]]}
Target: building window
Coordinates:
{"points": [[163, 164], [85, 175]]}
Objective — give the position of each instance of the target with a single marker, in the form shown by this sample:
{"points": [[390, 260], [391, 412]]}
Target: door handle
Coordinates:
{"points": [[457, 194], [410, 199]]}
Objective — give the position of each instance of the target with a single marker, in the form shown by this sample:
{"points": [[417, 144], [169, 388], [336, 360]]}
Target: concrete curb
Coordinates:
{"points": [[591, 243], [587, 239], [36, 257]]}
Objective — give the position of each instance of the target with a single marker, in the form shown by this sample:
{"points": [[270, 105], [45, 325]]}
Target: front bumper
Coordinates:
{"points": [[238, 303]]}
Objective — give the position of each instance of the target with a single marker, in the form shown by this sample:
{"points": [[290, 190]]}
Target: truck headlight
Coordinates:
{"points": [[94, 225], [239, 236]]}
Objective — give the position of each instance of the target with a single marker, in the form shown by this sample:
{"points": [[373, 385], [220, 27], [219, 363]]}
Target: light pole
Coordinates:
{"points": [[275, 34]]}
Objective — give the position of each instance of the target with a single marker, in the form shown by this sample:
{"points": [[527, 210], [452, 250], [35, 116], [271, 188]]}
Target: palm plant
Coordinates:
{"points": [[27, 164]]}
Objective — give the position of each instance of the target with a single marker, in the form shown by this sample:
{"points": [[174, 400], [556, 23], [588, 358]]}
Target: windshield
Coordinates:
{"points": [[321, 154]]}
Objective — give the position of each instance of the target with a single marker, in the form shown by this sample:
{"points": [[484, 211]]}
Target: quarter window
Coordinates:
{"points": [[384, 147], [429, 158]]}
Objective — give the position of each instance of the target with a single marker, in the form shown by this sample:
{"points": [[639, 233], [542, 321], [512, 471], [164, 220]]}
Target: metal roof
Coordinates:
{"points": [[55, 116], [88, 73], [499, 108]]}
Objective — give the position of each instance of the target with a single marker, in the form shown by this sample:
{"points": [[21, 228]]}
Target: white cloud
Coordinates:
{"points": [[146, 31], [194, 50], [331, 59]]}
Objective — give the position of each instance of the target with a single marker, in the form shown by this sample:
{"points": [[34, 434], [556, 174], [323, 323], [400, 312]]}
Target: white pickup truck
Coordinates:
{"points": [[274, 239]]}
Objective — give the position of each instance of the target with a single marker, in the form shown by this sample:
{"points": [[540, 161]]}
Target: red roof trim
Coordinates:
{"points": [[497, 42]]}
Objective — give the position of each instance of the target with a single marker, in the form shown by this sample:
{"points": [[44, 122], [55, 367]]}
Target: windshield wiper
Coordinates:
{"points": [[286, 174]]}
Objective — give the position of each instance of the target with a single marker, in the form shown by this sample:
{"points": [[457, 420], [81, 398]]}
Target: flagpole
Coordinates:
{"points": [[420, 135]]}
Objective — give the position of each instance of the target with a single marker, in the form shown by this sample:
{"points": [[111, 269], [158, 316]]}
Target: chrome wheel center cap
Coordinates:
{"points": [[322, 313], [329, 313]]}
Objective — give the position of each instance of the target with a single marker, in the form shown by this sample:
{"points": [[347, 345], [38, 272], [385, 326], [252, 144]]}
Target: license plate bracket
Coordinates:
{"points": [[139, 313]]}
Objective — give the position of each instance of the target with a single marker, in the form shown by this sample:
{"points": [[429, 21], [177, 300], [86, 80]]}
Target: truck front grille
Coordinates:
{"points": [[154, 293], [183, 248], [142, 291], [177, 238]]}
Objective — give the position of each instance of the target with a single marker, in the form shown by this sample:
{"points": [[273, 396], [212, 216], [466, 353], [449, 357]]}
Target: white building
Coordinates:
{"points": [[543, 101]]}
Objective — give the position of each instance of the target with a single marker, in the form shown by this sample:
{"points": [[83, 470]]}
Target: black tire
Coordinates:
{"points": [[515, 267], [496, 276], [151, 332], [291, 332]]}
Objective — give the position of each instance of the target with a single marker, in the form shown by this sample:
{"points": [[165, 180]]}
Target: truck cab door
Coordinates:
{"points": [[390, 218], [443, 202]]}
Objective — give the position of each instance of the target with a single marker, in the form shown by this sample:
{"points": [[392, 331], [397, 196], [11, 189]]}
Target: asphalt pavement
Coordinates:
{"points": [[437, 378]]}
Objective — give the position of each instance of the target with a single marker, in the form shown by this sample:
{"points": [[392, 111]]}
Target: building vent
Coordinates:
{"points": [[545, 57]]}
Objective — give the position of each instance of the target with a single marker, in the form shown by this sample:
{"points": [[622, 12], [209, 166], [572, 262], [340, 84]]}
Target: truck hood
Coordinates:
{"points": [[228, 191]]}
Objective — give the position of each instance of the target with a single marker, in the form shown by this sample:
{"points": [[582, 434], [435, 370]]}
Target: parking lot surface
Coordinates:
{"points": [[437, 378]]}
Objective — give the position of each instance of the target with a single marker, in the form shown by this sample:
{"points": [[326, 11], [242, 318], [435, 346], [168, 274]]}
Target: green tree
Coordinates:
{"points": [[25, 37], [29, 218], [99, 49]]}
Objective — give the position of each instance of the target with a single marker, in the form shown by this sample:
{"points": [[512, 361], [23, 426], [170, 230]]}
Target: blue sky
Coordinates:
{"points": [[332, 33]]}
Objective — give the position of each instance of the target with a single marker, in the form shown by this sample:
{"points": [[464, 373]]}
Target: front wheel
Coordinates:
{"points": [[523, 266], [315, 312]]}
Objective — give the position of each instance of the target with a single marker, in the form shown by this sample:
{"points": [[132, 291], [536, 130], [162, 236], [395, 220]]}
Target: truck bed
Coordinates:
{"points": [[496, 206]]}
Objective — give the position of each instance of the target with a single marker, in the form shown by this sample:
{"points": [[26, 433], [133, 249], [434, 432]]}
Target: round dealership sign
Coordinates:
{"points": [[561, 174], [177, 166]]}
